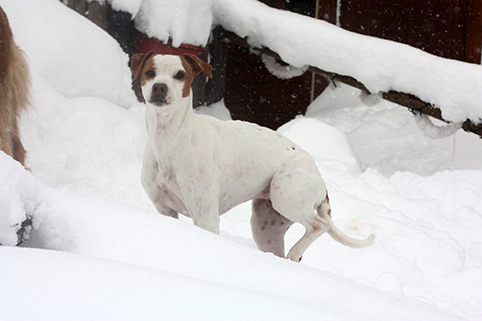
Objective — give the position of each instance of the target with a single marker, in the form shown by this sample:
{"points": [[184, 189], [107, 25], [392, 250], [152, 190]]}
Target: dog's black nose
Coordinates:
{"points": [[159, 88]]}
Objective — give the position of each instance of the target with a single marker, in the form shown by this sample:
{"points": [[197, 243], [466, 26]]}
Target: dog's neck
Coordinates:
{"points": [[174, 122]]}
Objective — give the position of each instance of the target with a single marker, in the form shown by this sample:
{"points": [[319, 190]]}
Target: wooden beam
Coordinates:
{"points": [[403, 99], [218, 50], [474, 31]]}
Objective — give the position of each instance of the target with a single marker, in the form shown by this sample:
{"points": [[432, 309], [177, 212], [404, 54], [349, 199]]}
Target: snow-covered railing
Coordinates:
{"points": [[407, 100]]}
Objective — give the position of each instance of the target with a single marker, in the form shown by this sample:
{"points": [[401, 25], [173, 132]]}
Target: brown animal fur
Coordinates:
{"points": [[137, 65], [14, 91], [195, 66]]}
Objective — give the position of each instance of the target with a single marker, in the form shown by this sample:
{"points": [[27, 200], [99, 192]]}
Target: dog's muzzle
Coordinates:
{"points": [[159, 94]]}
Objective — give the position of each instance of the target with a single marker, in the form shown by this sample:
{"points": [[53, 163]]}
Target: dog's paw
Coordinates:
{"points": [[295, 257]]}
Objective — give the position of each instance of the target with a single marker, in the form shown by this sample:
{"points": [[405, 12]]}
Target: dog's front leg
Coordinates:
{"points": [[203, 207], [208, 221], [155, 195], [206, 217], [149, 178]]}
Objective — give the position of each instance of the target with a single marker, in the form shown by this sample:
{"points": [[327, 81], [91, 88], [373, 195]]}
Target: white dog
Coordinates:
{"points": [[201, 167]]}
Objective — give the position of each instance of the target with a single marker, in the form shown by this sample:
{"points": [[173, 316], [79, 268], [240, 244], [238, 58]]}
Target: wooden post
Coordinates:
{"points": [[80, 6], [325, 10], [281, 4], [218, 49], [98, 14], [474, 32]]}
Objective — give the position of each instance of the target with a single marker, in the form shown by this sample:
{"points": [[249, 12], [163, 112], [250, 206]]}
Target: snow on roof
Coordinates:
{"points": [[381, 65], [184, 21]]}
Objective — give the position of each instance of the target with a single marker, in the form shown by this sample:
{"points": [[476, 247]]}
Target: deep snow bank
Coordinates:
{"points": [[329, 144], [86, 144], [17, 199], [387, 138], [169, 260]]}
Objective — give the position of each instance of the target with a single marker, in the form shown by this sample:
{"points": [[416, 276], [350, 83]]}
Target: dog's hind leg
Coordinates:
{"points": [[296, 191], [269, 227], [315, 227]]}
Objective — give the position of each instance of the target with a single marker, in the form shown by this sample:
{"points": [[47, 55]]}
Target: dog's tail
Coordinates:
{"points": [[324, 210]]}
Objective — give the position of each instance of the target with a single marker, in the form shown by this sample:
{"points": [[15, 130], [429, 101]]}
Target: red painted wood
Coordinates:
{"points": [[146, 44]]}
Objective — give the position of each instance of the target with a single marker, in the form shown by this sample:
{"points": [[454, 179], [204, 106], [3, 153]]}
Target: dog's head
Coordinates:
{"points": [[163, 80]]}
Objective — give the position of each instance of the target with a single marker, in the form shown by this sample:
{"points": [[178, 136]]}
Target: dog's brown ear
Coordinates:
{"points": [[199, 65], [137, 64], [138, 61]]}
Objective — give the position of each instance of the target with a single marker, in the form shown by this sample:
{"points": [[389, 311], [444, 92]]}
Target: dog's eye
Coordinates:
{"points": [[150, 73], [179, 75]]}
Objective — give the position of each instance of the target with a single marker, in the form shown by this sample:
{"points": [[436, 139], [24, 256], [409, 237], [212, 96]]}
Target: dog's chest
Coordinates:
{"points": [[168, 190]]}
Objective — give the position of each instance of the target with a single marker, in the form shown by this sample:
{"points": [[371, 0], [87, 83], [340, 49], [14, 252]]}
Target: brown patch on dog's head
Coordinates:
{"points": [[143, 69], [193, 66]]}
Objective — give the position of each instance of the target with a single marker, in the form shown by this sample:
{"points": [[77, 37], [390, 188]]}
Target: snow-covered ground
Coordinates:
{"points": [[99, 250]]}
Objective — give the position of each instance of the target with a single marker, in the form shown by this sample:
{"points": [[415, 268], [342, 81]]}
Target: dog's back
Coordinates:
{"points": [[14, 91]]}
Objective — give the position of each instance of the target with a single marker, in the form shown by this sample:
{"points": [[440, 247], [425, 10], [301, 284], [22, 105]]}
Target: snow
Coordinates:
{"points": [[283, 72], [88, 288], [185, 21], [129, 264], [327, 144], [131, 6], [432, 131], [217, 109], [99, 251]]}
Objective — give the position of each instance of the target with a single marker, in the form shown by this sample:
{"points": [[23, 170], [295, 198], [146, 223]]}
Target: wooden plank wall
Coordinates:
{"points": [[446, 28], [474, 32], [254, 94]]}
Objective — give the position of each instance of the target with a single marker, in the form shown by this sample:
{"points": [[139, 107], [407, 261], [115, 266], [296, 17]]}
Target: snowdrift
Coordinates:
{"points": [[170, 261]]}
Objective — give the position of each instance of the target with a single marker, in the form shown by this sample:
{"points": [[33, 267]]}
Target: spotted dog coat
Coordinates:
{"points": [[201, 167]]}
